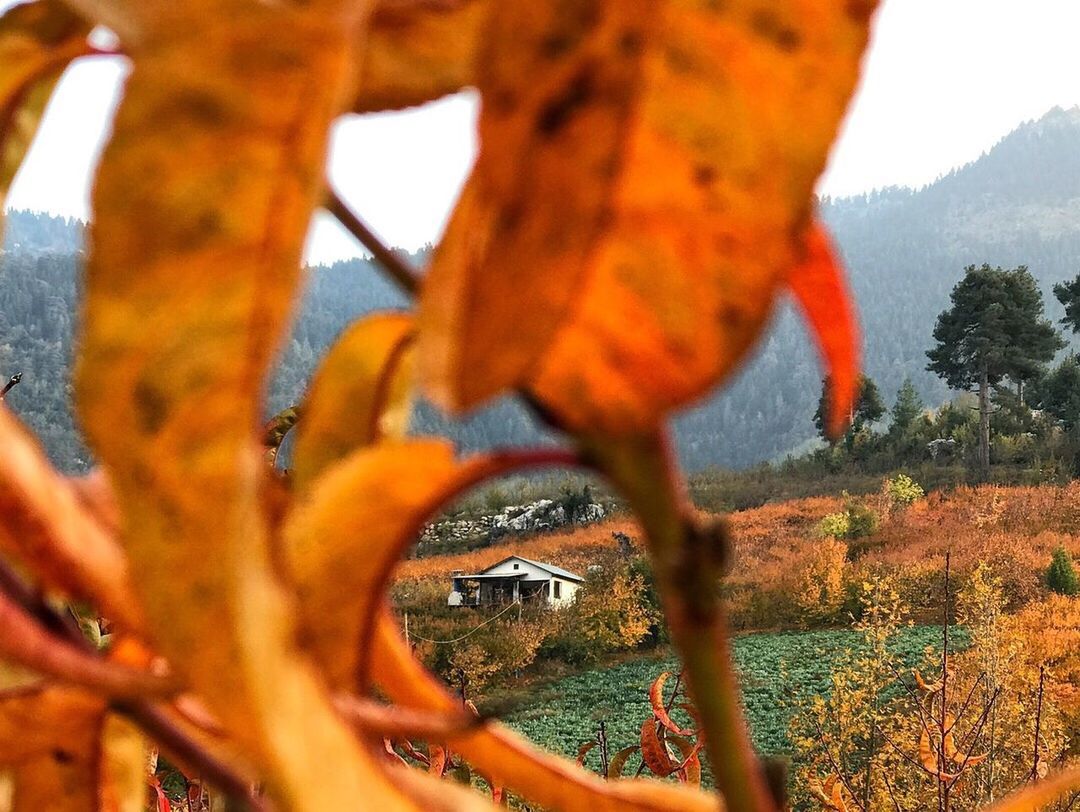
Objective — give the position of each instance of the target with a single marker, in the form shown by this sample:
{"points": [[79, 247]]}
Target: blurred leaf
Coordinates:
{"points": [[37, 41], [1036, 796], [738, 107], [360, 393], [47, 528], [213, 169], [342, 543], [819, 287], [418, 52]]}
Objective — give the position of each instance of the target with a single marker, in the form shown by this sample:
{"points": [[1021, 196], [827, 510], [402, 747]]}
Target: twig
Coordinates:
{"points": [[892, 795], [835, 767], [407, 278], [184, 748], [146, 714]]}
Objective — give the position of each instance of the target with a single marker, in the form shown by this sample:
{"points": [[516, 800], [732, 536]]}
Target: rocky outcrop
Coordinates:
{"points": [[542, 516]]}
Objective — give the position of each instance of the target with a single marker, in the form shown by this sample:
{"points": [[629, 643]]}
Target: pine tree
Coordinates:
{"points": [[868, 409], [1058, 393], [1068, 293], [994, 330], [1061, 577], [906, 409]]}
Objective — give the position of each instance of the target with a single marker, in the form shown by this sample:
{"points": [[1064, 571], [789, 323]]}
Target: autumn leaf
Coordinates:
{"points": [[686, 140], [690, 764], [558, 84], [37, 41], [618, 761], [654, 751], [47, 527], [819, 287], [66, 752], [360, 393], [417, 52], [201, 206], [342, 543], [1036, 796], [656, 700]]}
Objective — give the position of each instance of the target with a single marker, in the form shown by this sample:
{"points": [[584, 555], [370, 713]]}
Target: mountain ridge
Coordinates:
{"points": [[1018, 203]]}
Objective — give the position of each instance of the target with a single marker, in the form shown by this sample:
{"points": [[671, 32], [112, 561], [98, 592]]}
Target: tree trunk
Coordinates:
{"points": [[984, 422]]}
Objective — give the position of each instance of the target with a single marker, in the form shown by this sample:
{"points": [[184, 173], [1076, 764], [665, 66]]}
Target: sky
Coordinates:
{"points": [[943, 82]]}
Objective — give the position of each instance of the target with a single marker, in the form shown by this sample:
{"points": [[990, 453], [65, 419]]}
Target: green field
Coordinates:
{"points": [[563, 714]]}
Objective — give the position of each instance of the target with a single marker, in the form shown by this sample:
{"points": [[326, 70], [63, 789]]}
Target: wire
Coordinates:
{"points": [[469, 633]]}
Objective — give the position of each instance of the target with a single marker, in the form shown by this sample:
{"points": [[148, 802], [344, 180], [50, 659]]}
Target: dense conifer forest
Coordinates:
{"points": [[1019, 204]]}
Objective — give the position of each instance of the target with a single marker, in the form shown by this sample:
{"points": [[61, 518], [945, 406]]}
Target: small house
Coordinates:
{"points": [[515, 579]]}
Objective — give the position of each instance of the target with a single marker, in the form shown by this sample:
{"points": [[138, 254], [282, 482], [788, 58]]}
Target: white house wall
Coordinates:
{"points": [[567, 590]]}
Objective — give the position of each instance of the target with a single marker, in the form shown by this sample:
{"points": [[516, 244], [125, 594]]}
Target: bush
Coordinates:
{"points": [[835, 525], [903, 491], [1061, 577], [855, 521]]}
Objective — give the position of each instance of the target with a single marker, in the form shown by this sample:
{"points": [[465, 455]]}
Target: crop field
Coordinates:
{"points": [[563, 714]]}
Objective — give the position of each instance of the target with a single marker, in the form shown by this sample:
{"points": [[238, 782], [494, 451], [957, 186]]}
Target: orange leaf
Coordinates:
{"points": [[672, 271], [417, 52], [342, 543], [583, 751], [37, 41], [654, 751], [558, 86], [820, 289], [656, 699], [202, 203], [618, 761], [1036, 796], [46, 527], [360, 393], [689, 767]]}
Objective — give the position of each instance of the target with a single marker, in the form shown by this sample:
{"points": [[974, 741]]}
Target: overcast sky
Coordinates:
{"points": [[945, 79]]}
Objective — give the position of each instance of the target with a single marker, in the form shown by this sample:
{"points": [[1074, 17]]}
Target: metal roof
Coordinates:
{"points": [[482, 576], [559, 571]]}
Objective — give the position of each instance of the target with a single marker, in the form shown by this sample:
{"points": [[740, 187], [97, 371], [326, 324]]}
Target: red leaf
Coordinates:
{"points": [[819, 287], [656, 699]]}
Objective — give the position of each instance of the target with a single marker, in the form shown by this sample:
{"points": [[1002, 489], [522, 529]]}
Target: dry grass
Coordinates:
{"points": [[1013, 528]]}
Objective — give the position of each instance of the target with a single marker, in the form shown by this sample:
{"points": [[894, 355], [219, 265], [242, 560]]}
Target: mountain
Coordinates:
{"points": [[1019, 203]]}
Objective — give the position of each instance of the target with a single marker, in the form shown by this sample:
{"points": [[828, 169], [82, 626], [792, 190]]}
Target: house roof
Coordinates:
{"points": [[556, 571], [501, 576]]}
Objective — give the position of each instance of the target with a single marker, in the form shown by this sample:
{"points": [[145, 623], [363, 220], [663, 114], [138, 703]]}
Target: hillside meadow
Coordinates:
{"points": [[787, 575]]}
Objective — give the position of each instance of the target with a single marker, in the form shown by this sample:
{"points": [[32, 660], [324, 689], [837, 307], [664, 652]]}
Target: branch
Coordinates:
{"points": [[407, 278]]}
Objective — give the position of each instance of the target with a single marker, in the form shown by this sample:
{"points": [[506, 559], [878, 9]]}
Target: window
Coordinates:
{"points": [[517, 566], [557, 586]]}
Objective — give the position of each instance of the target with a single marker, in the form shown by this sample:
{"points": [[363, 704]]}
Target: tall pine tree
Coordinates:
{"points": [[994, 330]]}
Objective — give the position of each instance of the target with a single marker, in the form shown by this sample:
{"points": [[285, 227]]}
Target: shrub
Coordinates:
{"points": [[835, 525], [903, 491], [1061, 577], [855, 521]]}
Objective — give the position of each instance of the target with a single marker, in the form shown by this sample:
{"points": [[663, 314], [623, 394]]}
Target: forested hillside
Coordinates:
{"points": [[905, 249]]}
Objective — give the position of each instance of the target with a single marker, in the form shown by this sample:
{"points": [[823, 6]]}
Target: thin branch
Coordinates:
{"points": [[186, 749], [892, 795], [148, 715], [26, 642], [835, 767], [899, 750], [406, 278]]}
